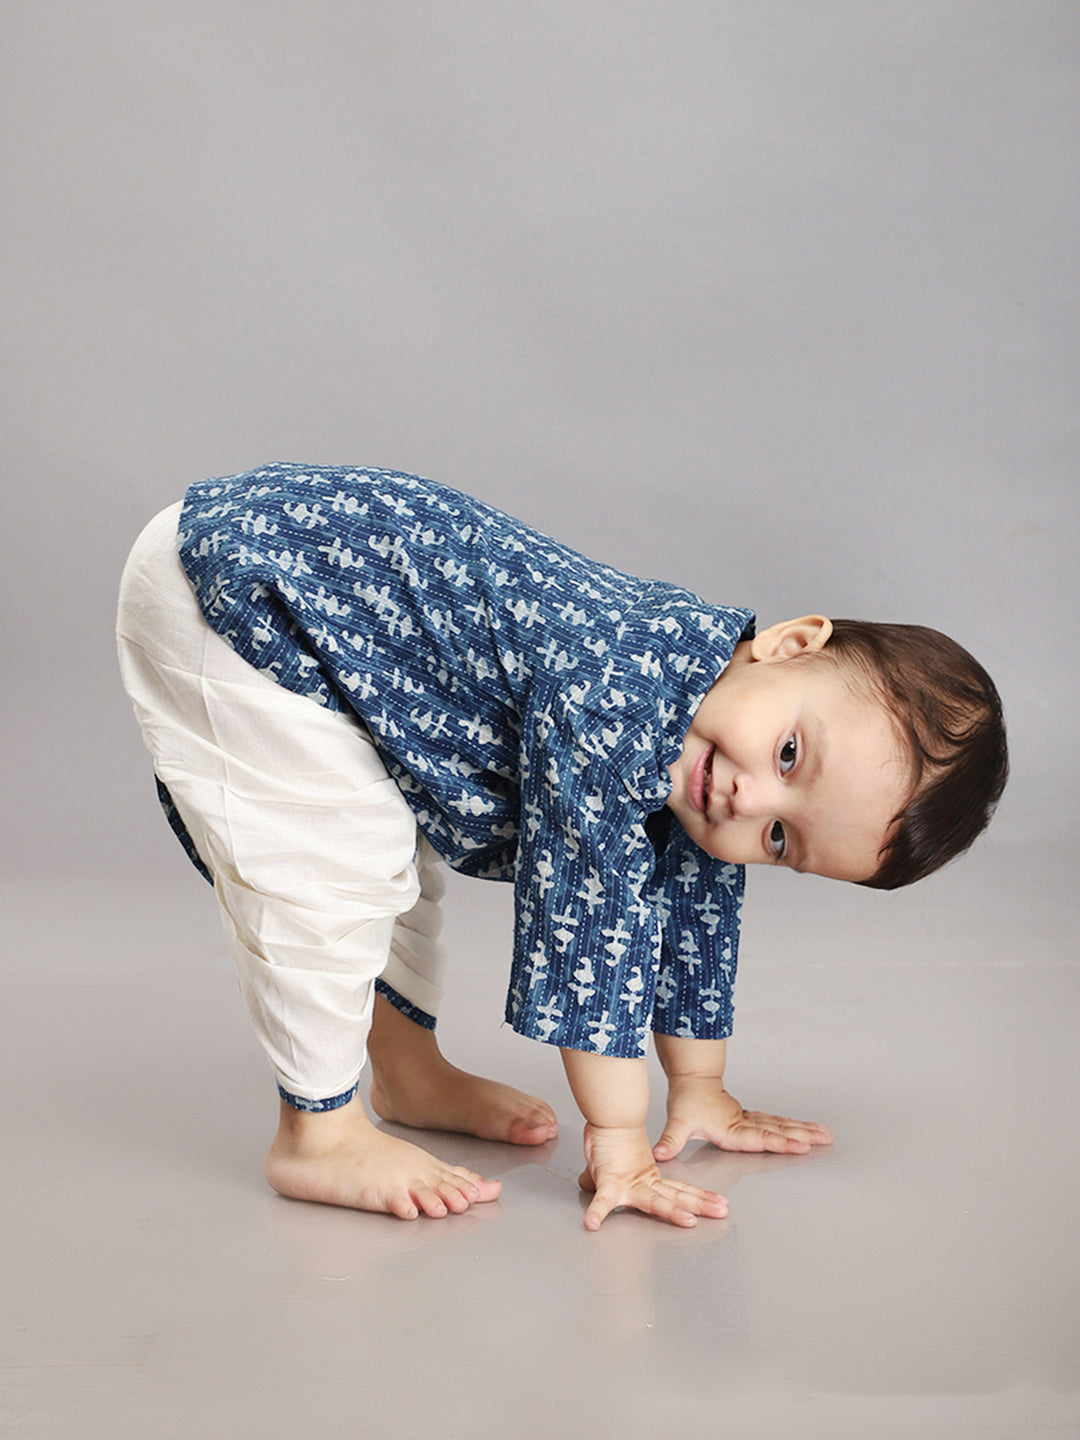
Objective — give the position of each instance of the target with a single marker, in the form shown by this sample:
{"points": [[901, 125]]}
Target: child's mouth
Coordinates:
{"points": [[706, 782]]}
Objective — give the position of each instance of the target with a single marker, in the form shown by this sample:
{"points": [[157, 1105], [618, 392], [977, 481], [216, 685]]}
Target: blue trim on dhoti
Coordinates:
{"points": [[179, 829], [316, 1107], [411, 1012]]}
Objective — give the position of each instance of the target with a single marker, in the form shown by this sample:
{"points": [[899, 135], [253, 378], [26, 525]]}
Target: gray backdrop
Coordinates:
{"points": [[777, 300]]}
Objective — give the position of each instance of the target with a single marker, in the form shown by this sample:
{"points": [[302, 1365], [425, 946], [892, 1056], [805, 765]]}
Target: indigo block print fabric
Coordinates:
{"points": [[526, 700]]}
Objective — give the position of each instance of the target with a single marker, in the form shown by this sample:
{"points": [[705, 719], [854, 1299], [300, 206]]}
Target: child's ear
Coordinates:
{"points": [[791, 637]]}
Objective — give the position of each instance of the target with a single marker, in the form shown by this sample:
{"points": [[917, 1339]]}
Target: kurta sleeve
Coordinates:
{"points": [[700, 903], [587, 935]]}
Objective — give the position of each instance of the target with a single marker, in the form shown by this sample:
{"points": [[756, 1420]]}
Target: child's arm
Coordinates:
{"points": [[700, 1108], [613, 1095]]}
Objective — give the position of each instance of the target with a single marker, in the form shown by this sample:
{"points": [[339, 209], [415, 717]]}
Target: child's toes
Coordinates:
{"points": [[403, 1206], [431, 1203], [488, 1189], [533, 1130], [456, 1197]]}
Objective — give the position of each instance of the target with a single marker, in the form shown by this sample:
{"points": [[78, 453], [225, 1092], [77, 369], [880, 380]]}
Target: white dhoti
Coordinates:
{"points": [[323, 881]]}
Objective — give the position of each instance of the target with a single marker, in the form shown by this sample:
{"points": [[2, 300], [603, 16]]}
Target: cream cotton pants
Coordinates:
{"points": [[323, 881]]}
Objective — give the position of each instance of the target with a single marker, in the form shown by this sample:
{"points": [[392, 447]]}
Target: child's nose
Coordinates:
{"points": [[746, 797]]}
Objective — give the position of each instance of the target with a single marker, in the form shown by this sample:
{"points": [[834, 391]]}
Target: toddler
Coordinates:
{"points": [[346, 676]]}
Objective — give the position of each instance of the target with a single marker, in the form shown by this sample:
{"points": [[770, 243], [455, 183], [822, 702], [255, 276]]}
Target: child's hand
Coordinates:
{"points": [[699, 1108], [613, 1094], [620, 1169]]}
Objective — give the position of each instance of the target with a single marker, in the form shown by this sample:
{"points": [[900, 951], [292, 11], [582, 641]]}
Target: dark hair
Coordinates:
{"points": [[949, 715]]}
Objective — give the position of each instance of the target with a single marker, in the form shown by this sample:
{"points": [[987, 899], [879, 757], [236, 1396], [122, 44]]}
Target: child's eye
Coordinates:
{"points": [[789, 753], [777, 840]]}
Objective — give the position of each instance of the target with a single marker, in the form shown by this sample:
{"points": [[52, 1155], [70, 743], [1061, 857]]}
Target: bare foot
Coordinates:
{"points": [[340, 1158], [414, 1084]]}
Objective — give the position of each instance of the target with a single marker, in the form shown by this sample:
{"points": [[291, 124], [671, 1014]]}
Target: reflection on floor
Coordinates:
{"points": [[918, 1280]]}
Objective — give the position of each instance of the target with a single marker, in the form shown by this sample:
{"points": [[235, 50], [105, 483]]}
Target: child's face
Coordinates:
{"points": [[787, 763]]}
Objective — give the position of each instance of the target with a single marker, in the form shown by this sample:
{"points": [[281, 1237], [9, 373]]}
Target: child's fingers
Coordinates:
{"points": [[695, 1200], [672, 1211], [606, 1198], [799, 1135], [586, 1181], [678, 1203], [671, 1142], [757, 1134], [810, 1130], [673, 1201], [599, 1209]]}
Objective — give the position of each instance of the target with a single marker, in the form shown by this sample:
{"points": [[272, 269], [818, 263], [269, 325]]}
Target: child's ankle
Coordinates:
{"points": [[300, 1130], [398, 1043]]}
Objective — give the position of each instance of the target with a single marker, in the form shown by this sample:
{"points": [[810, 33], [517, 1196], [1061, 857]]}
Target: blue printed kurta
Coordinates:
{"points": [[526, 700]]}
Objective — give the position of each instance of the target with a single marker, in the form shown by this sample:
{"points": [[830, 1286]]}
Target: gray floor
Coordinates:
{"points": [[920, 1280]]}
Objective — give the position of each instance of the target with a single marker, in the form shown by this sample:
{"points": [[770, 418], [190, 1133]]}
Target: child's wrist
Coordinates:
{"points": [[682, 1085], [612, 1093], [615, 1132], [684, 1058]]}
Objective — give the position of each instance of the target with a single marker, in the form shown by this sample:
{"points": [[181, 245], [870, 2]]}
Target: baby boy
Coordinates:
{"points": [[346, 677]]}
